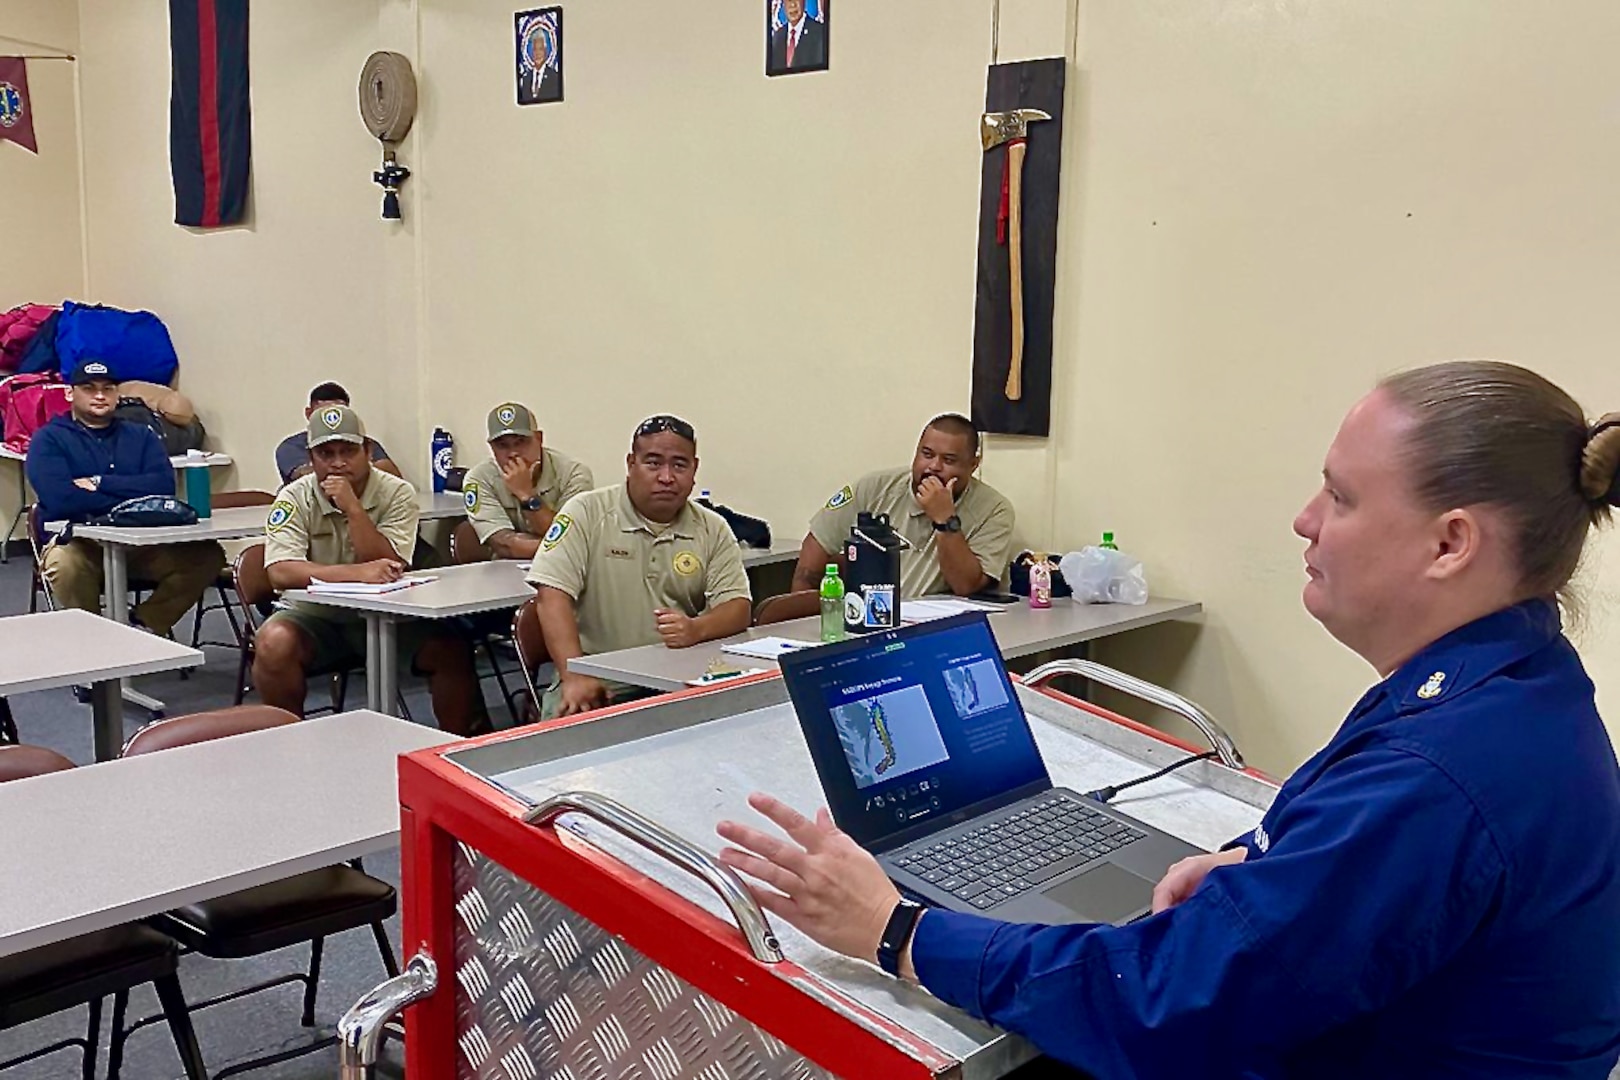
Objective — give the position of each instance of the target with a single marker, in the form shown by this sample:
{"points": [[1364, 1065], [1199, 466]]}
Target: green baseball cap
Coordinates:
{"points": [[510, 419], [335, 422]]}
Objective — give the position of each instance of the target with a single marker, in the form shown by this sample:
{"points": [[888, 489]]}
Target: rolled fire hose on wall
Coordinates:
{"points": [[388, 106]]}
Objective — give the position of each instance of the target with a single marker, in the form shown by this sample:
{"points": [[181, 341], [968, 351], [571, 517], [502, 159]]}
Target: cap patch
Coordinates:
{"points": [[687, 563], [844, 495], [332, 418], [95, 368], [506, 414], [559, 526], [280, 514]]}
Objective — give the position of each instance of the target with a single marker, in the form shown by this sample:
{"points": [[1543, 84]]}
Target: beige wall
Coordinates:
{"points": [[1280, 203], [1237, 260], [40, 256]]}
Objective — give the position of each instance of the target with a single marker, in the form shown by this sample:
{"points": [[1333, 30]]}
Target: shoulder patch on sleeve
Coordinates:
{"points": [[841, 498], [559, 526], [281, 512], [469, 495]]}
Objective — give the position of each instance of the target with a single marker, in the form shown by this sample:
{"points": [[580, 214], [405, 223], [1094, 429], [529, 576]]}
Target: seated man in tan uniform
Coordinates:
{"points": [[349, 521], [960, 528], [513, 495], [636, 564]]}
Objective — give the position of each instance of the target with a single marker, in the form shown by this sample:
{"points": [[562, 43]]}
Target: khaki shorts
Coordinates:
{"points": [[339, 638]]}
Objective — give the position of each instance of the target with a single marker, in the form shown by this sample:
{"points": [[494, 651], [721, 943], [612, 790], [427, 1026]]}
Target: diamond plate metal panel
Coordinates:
{"points": [[544, 994]]}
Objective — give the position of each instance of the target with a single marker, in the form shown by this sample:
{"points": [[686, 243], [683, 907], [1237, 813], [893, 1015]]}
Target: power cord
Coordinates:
{"points": [[1106, 794]]}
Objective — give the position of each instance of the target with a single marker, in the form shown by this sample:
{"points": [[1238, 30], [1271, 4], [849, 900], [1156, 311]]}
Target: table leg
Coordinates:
{"points": [[115, 582], [107, 714], [382, 673]]}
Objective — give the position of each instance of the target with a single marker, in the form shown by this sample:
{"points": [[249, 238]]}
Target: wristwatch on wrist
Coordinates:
{"points": [[532, 503], [897, 935], [950, 524]]}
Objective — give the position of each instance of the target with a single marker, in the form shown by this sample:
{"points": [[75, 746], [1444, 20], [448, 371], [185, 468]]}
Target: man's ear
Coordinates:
{"points": [[1458, 536]]}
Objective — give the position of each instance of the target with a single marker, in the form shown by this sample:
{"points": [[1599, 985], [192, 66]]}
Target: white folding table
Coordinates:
{"points": [[107, 844], [66, 648], [453, 591]]}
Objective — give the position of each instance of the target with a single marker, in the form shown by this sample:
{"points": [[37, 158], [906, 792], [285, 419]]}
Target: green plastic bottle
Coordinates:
{"points": [[832, 605], [1108, 542]]}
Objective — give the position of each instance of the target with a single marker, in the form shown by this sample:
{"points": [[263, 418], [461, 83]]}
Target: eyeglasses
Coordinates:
{"points": [[657, 425]]}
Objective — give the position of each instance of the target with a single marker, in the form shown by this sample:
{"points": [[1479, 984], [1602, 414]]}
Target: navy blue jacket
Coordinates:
{"points": [[1435, 894], [128, 457]]}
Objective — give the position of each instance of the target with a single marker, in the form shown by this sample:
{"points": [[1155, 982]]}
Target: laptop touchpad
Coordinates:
{"points": [[1105, 894]]}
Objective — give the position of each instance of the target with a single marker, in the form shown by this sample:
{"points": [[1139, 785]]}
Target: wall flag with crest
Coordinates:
{"points": [[16, 110]]}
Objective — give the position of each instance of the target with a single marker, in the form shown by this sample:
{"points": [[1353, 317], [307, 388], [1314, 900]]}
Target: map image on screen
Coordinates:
{"points": [[888, 735], [975, 688]]}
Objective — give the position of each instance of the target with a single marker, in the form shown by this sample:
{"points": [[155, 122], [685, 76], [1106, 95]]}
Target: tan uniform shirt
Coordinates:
{"points": [[304, 525], [987, 523], [491, 506], [618, 567]]}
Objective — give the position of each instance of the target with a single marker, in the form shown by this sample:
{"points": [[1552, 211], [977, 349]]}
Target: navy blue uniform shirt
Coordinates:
{"points": [[1435, 894], [128, 457]]}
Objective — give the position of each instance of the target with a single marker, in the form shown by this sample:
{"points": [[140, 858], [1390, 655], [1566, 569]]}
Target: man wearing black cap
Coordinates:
{"points": [[87, 462]]}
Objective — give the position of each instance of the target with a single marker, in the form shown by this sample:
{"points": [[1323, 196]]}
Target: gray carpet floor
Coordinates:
{"points": [[238, 1030]]}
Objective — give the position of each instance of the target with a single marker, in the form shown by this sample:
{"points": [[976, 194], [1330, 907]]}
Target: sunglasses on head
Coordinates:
{"points": [[657, 425]]}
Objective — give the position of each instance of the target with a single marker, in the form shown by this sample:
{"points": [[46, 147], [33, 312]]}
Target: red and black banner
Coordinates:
{"points": [[210, 118]]}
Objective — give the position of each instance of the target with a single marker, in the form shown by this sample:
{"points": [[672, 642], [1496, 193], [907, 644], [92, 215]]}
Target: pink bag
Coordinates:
{"points": [[17, 329], [28, 403]]}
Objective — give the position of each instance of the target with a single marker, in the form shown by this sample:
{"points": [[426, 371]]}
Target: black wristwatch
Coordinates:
{"points": [[897, 935], [950, 524], [532, 503]]}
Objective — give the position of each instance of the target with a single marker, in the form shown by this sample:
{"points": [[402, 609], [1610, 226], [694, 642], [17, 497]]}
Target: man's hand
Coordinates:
{"points": [[378, 571], [88, 483], [581, 693], [519, 476], [821, 881], [341, 492], [678, 630], [1183, 878], [937, 500]]}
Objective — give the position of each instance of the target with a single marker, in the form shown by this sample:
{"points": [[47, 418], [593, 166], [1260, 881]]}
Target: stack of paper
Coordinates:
{"points": [[362, 588], [766, 648], [926, 610]]}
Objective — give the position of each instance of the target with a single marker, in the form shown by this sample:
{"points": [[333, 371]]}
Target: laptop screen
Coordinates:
{"points": [[911, 727]]}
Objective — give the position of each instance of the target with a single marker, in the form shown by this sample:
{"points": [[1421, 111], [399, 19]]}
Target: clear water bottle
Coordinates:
{"points": [[1040, 582], [443, 451], [832, 605]]}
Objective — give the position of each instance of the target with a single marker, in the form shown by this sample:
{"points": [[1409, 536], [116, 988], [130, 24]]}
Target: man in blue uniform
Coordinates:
{"points": [[85, 463], [1434, 894]]}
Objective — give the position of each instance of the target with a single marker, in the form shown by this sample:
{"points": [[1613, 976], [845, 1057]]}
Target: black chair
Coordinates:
{"points": [[225, 583], [307, 907], [465, 548], [84, 970]]}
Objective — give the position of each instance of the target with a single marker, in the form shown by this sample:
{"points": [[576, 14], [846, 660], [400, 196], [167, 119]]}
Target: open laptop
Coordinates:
{"points": [[928, 762]]}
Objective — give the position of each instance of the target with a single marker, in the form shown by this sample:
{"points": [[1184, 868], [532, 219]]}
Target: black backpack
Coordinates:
{"points": [[176, 439]]}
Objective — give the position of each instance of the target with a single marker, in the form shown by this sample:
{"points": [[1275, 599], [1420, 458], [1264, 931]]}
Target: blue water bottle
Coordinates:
{"points": [[444, 455]]}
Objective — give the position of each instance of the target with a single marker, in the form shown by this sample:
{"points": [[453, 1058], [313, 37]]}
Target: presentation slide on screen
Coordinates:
{"points": [[888, 735]]}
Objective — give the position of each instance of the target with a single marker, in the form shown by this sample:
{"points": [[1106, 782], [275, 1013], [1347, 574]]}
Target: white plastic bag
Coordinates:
{"points": [[1104, 576]]}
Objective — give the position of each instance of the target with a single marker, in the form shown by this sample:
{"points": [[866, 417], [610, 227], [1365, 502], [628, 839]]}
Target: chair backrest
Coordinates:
{"points": [[21, 762], [226, 500], [36, 537], [531, 643], [204, 726], [465, 547], [793, 605]]}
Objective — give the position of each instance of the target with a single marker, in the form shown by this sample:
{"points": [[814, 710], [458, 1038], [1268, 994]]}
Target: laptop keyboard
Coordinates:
{"points": [[1004, 858]]}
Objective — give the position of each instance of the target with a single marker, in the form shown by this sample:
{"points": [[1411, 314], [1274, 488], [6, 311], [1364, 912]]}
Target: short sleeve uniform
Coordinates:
{"points": [[618, 567], [491, 506], [987, 525]]}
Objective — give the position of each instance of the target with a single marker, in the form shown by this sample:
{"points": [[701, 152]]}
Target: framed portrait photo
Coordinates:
{"points": [[539, 35], [796, 33]]}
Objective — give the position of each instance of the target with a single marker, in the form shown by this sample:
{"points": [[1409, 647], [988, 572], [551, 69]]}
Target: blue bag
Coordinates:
{"points": [[148, 511], [135, 344]]}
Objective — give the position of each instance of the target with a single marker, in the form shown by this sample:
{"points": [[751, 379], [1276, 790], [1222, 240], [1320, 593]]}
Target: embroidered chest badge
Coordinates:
{"points": [[1434, 687], [687, 564]]}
